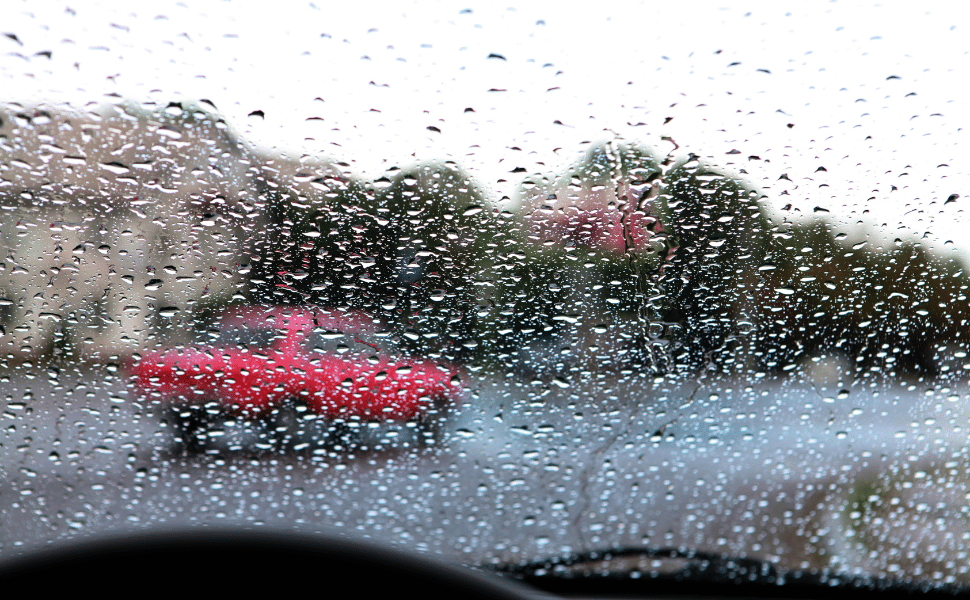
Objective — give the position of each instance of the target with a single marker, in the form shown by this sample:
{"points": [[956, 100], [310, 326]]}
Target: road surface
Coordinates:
{"points": [[529, 469]]}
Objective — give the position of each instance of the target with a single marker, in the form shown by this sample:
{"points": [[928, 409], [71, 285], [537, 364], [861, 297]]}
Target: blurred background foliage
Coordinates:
{"points": [[889, 309], [624, 261], [407, 247], [723, 238]]}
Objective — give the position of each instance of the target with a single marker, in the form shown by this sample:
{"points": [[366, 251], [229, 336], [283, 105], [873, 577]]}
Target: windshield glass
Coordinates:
{"points": [[538, 281]]}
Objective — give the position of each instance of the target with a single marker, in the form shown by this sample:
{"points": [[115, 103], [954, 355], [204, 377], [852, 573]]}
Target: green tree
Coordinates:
{"points": [[439, 233], [884, 308], [722, 240], [311, 251], [590, 244], [406, 247]]}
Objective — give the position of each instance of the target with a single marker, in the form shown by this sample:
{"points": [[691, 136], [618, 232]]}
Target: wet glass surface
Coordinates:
{"points": [[506, 291]]}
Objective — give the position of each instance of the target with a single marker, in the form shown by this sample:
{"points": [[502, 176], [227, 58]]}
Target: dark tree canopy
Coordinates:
{"points": [[721, 243], [406, 248], [681, 257]]}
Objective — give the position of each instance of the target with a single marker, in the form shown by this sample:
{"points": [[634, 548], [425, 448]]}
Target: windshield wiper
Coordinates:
{"points": [[676, 571]]}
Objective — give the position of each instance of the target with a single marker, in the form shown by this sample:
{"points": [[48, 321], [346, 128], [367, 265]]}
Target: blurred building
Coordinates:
{"points": [[117, 223]]}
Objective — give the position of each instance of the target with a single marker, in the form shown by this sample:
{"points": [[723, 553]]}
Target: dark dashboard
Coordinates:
{"points": [[220, 560]]}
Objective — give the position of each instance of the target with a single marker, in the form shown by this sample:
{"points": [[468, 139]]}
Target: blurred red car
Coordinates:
{"points": [[275, 365]]}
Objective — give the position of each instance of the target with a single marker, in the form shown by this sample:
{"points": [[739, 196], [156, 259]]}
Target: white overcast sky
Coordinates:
{"points": [[874, 93]]}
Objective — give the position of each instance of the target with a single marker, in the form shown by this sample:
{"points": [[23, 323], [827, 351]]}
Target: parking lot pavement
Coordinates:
{"points": [[528, 469]]}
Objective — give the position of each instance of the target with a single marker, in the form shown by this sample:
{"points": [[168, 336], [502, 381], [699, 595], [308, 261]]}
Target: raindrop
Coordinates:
{"points": [[115, 167]]}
